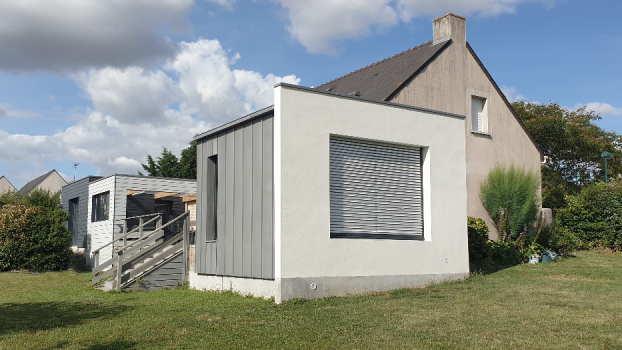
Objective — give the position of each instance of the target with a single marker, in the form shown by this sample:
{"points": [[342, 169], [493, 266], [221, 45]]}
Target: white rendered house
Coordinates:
{"points": [[324, 194]]}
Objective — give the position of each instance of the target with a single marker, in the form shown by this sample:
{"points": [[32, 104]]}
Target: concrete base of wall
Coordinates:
{"points": [[316, 287], [319, 287], [246, 286]]}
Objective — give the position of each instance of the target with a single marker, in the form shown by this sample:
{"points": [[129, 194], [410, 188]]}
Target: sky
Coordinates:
{"points": [[104, 83]]}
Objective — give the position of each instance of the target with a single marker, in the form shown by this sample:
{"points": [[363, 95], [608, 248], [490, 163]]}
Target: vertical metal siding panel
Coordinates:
{"points": [[238, 187], [220, 220], [208, 208], [199, 238], [229, 178], [247, 201], [256, 199], [200, 248], [267, 246]]}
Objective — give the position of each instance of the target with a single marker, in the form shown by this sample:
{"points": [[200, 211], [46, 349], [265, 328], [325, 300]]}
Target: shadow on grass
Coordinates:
{"points": [[33, 317], [113, 345], [488, 269]]}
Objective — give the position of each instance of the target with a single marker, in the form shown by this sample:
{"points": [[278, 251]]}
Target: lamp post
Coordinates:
{"points": [[606, 155]]}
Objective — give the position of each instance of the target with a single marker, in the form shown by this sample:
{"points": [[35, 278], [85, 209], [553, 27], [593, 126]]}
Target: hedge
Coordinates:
{"points": [[33, 237]]}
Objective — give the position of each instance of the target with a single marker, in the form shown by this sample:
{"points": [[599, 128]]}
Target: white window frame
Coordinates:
{"points": [[383, 233], [483, 123], [100, 207]]}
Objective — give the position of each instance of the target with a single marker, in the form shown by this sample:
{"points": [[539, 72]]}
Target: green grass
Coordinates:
{"points": [[572, 304]]}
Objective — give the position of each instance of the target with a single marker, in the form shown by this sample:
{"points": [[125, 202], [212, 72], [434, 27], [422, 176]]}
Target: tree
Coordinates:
{"points": [[573, 144], [168, 165]]}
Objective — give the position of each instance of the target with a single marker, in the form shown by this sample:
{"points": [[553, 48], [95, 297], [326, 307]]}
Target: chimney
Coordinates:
{"points": [[450, 26]]}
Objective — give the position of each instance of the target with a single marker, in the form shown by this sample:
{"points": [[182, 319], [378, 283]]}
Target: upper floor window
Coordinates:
{"points": [[479, 115], [100, 207]]}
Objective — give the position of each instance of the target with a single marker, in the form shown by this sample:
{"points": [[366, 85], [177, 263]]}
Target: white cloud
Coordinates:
{"points": [[6, 110], [70, 35], [511, 94], [130, 95], [321, 25], [602, 108], [212, 89], [226, 4], [138, 111], [409, 9]]}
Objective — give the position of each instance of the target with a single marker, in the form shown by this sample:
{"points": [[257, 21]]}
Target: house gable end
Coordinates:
{"points": [[505, 100]]}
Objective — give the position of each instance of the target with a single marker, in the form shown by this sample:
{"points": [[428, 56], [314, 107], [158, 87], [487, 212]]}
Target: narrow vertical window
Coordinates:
{"points": [[212, 198], [478, 114]]}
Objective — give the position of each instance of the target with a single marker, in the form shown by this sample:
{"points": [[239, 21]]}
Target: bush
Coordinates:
{"points": [[485, 252], [36, 198], [32, 237], [592, 218], [512, 192], [478, 240]]}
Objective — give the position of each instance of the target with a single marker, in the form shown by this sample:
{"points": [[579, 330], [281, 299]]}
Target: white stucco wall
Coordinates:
{"points": [[304, 251]]}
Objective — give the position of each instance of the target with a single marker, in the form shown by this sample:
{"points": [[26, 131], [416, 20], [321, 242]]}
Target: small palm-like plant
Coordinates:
{"points": [[510, 196]]}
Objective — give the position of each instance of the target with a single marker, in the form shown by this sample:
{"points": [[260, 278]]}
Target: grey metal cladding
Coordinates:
{"points": [[244, 246], [376, 190]]}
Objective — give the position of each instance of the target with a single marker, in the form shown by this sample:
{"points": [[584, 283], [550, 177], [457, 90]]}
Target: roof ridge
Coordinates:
{"points": [[373, 64]]}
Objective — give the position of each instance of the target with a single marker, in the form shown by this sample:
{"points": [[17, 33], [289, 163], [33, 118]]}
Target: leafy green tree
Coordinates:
{"points": [[573, 144], [510, 196], [168, 165]]}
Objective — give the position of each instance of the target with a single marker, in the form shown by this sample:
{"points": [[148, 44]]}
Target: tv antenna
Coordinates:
{"points": [[75, 165]]}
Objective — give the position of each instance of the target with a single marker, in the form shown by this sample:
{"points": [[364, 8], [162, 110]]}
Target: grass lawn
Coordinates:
{"points": [[572, 304]]}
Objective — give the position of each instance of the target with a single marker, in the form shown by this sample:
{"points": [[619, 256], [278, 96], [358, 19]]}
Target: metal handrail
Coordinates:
{"points": [[122, 237]]}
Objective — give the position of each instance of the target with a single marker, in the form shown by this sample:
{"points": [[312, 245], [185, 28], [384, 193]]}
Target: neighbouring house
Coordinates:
{"points": [[103, 208], [51, 181], [324, 194], [74, 200], [6, 186], [445, 74]]}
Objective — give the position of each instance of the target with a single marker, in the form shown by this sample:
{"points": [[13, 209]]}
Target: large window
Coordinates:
{"points": [[100, 207], [479, 120], [375, 190]]}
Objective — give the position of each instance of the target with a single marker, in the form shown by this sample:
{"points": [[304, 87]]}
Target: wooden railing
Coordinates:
{"points": [[144, 247], [125, 235]]}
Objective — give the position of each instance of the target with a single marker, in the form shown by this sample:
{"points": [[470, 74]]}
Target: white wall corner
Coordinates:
{"points": [[427, 195], [277, 186]]}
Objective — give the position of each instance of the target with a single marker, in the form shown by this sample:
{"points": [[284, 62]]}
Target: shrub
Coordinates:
{"points": [[592, 218], [512, 192], [478, 240], [37, 198], [33, 238], [485, 252]]}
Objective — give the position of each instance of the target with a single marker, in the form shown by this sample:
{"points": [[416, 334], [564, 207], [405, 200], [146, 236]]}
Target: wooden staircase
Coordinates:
{"points": [[132, 260]]}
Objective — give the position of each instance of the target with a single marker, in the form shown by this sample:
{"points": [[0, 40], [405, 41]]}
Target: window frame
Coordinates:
{"points": [[485, 126], [379, 235], [100, 212]]}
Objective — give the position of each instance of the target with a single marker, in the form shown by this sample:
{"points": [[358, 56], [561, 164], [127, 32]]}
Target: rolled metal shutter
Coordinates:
{"points": [[375, 190]]}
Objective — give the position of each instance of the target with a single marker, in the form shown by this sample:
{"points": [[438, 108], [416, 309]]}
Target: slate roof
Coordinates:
{"points": [[34, 183], [380, 81]]}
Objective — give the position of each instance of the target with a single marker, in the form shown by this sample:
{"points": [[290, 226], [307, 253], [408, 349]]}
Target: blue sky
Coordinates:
{"points": [[116, 81]]}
